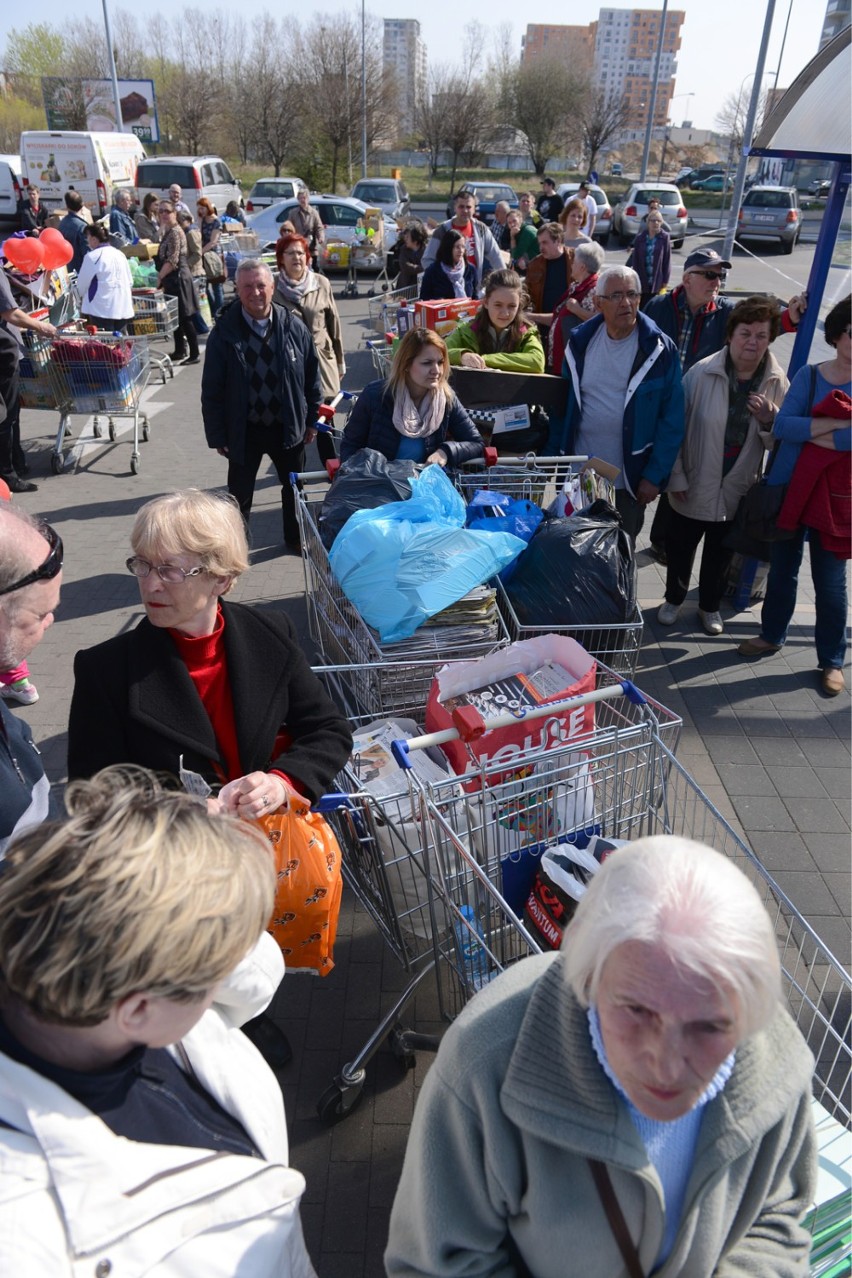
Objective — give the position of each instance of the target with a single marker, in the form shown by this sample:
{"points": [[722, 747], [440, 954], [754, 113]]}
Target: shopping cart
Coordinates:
{"points": [[344, 638], [102, 376], [382, 309], [539, 480], [636, 791], [381, 351], [388, 842], [155, 315]]}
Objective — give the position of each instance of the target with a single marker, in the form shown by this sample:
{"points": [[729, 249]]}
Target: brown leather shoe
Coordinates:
{"points": [[757, 648], [832, 681]]}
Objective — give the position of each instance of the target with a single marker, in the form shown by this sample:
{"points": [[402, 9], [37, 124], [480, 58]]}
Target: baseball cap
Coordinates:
{"points": [[701, 258], [547, 182], [584, 185]]}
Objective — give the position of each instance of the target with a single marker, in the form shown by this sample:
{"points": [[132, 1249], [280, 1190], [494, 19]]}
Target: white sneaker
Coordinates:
{"points": [[711, 621], [23, 692], [667, 614]]}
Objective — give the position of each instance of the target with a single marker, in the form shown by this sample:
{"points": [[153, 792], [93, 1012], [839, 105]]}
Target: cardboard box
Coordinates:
{"points": [[442, 317], [335, 254], [144, 250]]}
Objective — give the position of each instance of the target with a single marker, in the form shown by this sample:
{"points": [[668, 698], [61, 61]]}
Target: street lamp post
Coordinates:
{"points": [[653, 103], [363, 90]]}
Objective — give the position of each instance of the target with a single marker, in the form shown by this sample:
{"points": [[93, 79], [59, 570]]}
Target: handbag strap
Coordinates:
{"points": [[614, 1215], [812, 368]]}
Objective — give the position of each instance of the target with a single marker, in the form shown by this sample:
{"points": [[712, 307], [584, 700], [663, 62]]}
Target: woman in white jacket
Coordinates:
{"points": [[731, 401], [104, 283], [140, 1132]]}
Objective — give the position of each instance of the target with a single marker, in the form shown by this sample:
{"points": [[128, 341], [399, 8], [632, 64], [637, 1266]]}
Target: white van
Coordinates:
{"points": [[10, 193], [94, 164]]}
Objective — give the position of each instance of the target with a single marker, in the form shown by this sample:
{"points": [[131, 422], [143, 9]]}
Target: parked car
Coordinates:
{"points": [[632, 206], [95, 165], [488, 196], [603, 225], [387, 194], [196, 175], [771, 213], [715, 182], [821, 190], [814, 187], [10, 192], [268, 191], [337, 212]]}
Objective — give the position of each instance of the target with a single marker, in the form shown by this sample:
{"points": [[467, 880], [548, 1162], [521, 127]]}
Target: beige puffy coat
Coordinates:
{"points": [[698, 468], [318, 311]]}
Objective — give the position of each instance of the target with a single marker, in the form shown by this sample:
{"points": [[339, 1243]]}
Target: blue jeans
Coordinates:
{"points": [[829, 578], [216, 298]]}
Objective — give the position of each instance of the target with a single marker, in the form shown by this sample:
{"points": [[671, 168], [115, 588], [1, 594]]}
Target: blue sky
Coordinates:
{"points": [[720, 38]]}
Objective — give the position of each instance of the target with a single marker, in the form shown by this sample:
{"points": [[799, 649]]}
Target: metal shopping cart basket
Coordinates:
{"points": [[343, 637], [101, 376], [382, 309], [388, 841], [539, 480], [155, 315], [636, 791]]}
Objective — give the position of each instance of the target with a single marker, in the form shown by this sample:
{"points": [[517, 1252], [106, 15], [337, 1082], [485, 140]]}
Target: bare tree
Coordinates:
{"points": [[731, 116], [433, 110], [543, 100], [602, 116], [270, 98]]}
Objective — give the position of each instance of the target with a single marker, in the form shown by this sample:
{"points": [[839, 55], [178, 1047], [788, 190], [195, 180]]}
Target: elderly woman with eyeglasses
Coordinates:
{"points": [[639, 1103], [216, 694]]}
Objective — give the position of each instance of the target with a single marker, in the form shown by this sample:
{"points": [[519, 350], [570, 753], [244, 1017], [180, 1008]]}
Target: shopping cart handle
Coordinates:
{"points": [[632, 693], [332, 466], [399, 750], [490, 455], [468, 723], [332, 801], [325, 415]]}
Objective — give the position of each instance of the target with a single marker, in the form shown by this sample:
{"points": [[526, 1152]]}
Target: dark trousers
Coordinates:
{"points": [[265, 441], [185, 334], [11, 453], [682, 540], [659, 528], [632, 512]]}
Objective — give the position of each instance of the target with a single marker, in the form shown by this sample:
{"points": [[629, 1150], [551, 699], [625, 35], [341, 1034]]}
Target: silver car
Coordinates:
{"points": [[628, 214], [771, 213], [387, 194], [268, 191]]}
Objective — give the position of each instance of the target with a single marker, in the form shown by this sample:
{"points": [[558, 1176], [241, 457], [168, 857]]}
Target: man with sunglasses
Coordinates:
{"points": [[30, 578], [696, 319], [625, 397]]}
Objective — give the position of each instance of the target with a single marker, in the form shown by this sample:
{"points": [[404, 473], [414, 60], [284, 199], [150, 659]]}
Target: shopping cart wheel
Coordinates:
{"points": [[146, 432], [399, 1043], [97, 428], [134, 463], [57, 463], [112, 430], [339, 1100]]}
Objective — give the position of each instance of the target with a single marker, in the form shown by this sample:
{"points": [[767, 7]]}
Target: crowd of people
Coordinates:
{"points": [[649, 1066]]}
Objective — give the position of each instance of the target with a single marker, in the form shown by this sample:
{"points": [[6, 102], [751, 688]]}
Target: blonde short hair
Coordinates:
{"points": [[139, 890], [198, 523]]}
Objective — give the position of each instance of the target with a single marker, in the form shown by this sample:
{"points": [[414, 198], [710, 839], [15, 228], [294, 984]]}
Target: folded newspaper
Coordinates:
{"points": [[376, 768]]}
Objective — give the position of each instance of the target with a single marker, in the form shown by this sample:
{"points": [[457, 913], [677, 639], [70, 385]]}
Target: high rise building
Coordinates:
{"points": [[626, 43], [404, 55], [573, 45], [838, 14]]}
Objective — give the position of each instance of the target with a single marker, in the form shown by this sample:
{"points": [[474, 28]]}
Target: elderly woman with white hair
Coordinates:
{"points": [[637, 1104], [577, 305]]}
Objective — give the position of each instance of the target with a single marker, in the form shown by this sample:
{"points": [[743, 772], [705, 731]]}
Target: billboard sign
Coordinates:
{"points": [[89, 105]]}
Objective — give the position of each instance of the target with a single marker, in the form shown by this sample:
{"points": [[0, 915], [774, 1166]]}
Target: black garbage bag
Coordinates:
{"points": [[576, 572], [365, 481]]}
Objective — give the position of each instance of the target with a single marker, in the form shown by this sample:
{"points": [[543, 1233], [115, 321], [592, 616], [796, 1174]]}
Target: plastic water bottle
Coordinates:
{"points": [[404, 319], [474, 956]]}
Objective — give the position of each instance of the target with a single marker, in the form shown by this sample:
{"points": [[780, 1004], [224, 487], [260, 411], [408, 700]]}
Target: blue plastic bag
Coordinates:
{"points": [[406, 561], [495, 512]]}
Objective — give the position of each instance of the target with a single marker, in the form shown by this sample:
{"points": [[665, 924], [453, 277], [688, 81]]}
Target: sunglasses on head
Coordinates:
{"points": [[46, 571]]}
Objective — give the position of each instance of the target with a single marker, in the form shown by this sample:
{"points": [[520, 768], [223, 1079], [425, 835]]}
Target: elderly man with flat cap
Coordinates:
{"points": [[30, 578], [695, 318]]}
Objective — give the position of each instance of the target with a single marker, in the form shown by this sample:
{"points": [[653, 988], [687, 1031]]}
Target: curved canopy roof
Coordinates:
{"points": [[812, 119]]}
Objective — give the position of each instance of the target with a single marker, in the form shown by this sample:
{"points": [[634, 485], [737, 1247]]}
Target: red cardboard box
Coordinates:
{"points": [[445, 315]]}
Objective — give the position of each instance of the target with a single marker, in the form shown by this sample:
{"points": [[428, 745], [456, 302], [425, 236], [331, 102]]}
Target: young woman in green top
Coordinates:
{"points": [[523, 243], [498, 336]]}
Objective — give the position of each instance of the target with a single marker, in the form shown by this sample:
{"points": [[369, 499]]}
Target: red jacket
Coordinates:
{"points": [[820, 497]]}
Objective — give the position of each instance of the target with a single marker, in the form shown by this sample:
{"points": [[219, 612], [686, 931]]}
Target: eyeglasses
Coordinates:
{"points": [[721, 276], [631, 296], [45, 571], [170, 573]]}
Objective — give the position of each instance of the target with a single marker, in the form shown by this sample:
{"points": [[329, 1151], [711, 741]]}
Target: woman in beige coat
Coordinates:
{"points": [[731, 401], [308, 294]]}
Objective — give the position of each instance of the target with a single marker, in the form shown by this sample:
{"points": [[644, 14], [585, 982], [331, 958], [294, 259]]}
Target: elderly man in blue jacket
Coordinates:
{"points": [[625, 399], [260, 390]]}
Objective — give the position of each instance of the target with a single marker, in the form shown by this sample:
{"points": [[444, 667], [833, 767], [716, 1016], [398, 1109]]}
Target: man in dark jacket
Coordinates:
{"points": [[75, 228], [625, 398], [260, 390]]}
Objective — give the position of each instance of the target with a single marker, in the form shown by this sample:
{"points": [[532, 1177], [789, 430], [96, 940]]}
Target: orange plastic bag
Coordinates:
{"points": [[310, 885]]}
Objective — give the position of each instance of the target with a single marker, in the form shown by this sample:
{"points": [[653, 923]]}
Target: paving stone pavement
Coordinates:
{"points": [[759, 738]]}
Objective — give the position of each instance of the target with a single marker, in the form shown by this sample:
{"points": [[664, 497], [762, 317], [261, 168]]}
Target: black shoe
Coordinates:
{"points": [[193, 359], [658, 553], [21, 485], [177, 356], [272, 1043]]}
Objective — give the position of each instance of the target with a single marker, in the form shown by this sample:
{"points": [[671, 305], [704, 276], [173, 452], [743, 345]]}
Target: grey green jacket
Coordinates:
{"points": [[496, 1180]]}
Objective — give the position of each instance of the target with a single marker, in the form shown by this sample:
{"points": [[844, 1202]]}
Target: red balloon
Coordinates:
{"points": [[56, 254], [52, 235], [27, 254]]}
